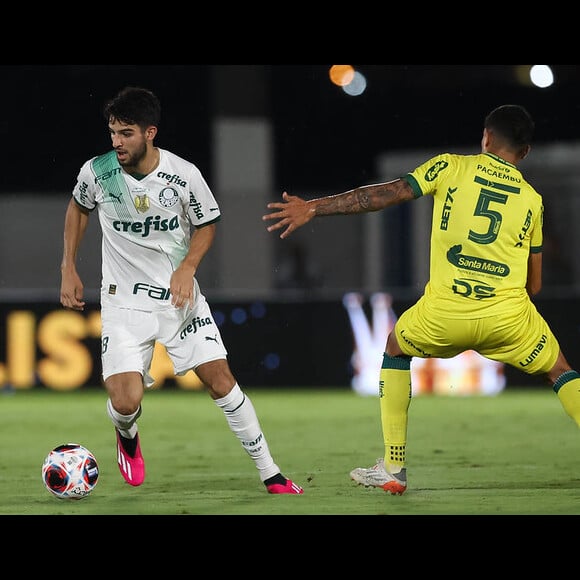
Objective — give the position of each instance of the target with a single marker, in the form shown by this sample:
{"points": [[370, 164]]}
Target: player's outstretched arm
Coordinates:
{"points": [[293, 212]]}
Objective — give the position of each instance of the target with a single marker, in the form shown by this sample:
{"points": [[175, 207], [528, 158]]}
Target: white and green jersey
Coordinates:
{"points": [[146, 224]]}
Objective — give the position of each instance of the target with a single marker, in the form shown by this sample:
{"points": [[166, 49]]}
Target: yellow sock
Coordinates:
{"points": [[567, 387], [395, 398]]}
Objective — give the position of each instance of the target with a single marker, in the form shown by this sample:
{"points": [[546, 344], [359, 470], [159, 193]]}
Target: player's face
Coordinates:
{"points": [[129, 142]]}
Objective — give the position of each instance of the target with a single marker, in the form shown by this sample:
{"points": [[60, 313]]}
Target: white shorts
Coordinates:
{"points": [[190, 336]]}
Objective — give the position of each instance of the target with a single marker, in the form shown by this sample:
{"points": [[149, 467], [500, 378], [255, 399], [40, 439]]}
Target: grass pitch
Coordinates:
{"points": [[517, 453]]}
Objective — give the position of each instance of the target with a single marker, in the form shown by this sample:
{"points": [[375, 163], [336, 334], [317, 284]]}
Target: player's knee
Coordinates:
{"points": [[560, 369], [123, 417]]}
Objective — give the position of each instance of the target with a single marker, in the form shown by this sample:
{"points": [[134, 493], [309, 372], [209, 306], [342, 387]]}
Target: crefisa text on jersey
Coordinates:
{"points": [[144, 228], [178, 180]]}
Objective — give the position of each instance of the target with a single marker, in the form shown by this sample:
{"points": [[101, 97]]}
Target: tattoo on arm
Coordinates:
{"points": [[365, 199], [355, 201]]}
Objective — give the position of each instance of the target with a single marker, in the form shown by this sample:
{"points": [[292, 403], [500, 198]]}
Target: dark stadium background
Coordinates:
{"points": [[323, 140]]}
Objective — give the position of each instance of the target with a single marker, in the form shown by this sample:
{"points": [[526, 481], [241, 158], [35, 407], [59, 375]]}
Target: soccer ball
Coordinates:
{"points": [[70, 471]]}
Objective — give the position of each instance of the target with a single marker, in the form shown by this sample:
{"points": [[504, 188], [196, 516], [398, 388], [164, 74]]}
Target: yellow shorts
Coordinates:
{"points": [[521, 339]]}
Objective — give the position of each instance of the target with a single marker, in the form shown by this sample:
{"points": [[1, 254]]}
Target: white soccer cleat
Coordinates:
{"points": [[378, 476]]}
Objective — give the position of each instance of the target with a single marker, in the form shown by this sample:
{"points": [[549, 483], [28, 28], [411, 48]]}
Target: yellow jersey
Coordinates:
{"points": [[486, 220]]}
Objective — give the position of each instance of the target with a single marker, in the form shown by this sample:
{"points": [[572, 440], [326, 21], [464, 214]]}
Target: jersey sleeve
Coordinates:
{"points": [[203, 208], [537, 238], [84, 189], [423, 179]]}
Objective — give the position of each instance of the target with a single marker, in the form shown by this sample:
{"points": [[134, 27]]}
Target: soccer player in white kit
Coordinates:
{"points": [[158, 219]]}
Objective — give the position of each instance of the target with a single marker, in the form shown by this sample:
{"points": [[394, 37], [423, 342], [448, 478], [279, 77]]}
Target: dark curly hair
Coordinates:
{"points": [[134, 106]]}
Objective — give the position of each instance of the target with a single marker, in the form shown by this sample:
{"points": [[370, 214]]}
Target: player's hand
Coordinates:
{"points": [[181, 288], [293, 213], [71, 292]]}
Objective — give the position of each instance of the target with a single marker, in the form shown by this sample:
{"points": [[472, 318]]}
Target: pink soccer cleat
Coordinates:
{"points": [[289, 487], [132, 468]]}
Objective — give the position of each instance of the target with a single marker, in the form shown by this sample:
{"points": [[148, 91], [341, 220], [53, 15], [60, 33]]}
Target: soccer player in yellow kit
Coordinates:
{"points": [[485, 264]]}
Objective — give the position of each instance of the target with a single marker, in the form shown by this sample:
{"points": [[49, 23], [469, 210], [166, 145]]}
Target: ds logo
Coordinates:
{"points": [[472, 289]]}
